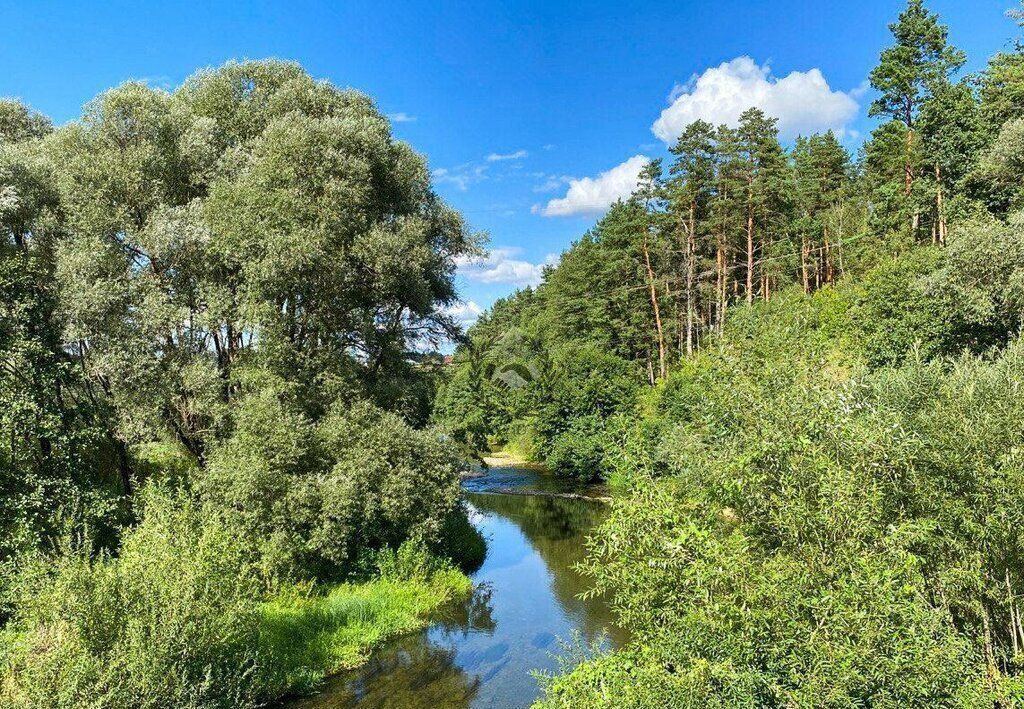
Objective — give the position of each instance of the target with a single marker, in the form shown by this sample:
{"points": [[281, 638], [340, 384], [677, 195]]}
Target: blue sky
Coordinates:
{"points": [[533, 115]]}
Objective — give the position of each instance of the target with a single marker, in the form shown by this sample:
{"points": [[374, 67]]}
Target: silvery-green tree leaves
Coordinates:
{"points": [[253, 217], [171, 255]]}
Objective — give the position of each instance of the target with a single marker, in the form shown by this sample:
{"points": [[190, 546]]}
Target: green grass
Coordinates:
{"points": [[309, 637]]}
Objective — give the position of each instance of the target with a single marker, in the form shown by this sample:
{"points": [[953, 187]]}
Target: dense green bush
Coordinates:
{"points": [[581, 449], [179, 619], [820, 540], [168, 622], [312, 498]]}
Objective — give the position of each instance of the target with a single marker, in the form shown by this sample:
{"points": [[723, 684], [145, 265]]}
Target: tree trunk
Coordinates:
{"points": [[657, 311], [908, 167], [690, 254], [908, 176], [124, 467], [750, 242], [804, 249], [829, 272], [939, 205], [720, 285]]}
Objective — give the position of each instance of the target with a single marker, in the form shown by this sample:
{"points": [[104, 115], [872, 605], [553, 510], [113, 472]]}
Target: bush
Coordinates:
{"points": [[168, 622], [178, 619], [819, 539], [312, 499], [580, 450]]}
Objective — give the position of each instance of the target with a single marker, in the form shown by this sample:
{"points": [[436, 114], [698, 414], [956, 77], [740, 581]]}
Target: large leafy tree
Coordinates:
{"points": [[52, 453], [254, 217]]}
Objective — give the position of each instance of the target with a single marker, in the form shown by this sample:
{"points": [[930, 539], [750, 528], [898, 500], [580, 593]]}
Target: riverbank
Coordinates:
{"points": [[311, 637], [510, 459], [193, 631]]}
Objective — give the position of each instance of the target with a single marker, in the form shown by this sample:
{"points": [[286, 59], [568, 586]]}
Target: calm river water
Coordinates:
{"points": [[481, 653]]}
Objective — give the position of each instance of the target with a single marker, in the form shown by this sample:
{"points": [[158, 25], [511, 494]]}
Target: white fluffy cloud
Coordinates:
{"points": [[802, 101], [401, 117], [500, 265], [498, 157], [590, 196], [465, 312]]}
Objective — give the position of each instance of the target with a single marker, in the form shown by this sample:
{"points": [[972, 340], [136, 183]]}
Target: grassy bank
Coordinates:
{"points": [[312, 636]]}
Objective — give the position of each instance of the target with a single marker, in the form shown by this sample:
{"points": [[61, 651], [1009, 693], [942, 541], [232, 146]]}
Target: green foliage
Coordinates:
{"points": [[579, 451], [212, 290], [307, 636], [819, 539], [178, 619], [917, 64], [312, 498], [168, 622]]}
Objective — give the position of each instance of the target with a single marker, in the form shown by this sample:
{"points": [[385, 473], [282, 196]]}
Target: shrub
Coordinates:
{"points": [[311, 499], [580, 450], [820, 541], [168, 622]]}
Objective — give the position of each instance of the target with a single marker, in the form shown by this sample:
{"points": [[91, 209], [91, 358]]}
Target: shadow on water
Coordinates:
{"points": [[481, 652]]}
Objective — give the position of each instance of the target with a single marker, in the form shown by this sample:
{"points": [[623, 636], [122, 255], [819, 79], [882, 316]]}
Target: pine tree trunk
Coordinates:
{"points": [[908, 167], [720, 285], [657, 311], [908, 177], [690, 254], [829, 272], [750, 242], [804, 248], [939, 206]]}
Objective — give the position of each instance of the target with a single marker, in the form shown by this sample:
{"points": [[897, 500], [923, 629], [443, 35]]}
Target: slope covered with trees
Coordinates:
{"points": [[209, 398], [802, 370]]}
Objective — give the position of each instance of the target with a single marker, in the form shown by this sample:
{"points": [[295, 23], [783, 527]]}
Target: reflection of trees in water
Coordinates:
{"points": [[410, 673], [556, 528], [415, 672], [473, 614], [542, 517]]}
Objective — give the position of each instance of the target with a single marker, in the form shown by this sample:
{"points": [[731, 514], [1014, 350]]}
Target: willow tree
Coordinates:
{"points": [[254, 219], [53, 433]]}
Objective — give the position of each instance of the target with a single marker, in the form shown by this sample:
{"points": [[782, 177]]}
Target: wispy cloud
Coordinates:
{"points": [[498, 157], [462, 176], [401, 117], [550, 183]]}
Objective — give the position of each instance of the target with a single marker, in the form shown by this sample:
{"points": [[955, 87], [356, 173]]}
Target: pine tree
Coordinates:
{"points": [[953, 135], [763, 167], [909, 72], [690, 192], [822, 167]]}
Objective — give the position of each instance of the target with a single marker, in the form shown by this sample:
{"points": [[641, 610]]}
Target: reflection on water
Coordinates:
{"points": [[480, 653]]}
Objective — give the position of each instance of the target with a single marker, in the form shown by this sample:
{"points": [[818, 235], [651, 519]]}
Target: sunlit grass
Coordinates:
{"points": [[310, 636]]}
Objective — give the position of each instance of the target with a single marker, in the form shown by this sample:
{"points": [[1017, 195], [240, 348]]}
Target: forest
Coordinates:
{"points": [[232, 453], [800, 370]]}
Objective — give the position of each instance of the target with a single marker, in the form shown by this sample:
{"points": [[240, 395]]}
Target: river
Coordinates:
{"points": [[482, 652]]}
